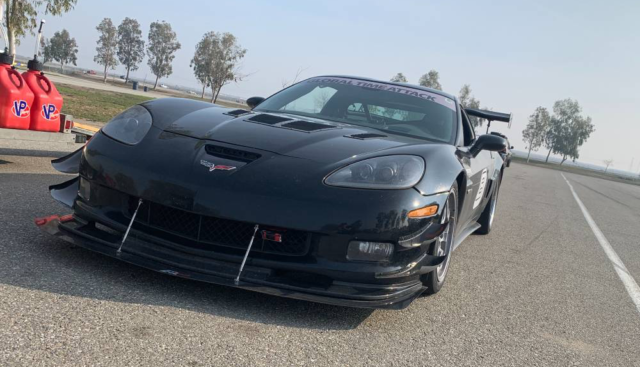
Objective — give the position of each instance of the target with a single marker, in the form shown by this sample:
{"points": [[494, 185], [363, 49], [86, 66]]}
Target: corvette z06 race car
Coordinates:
{"points": [[341, 190]]}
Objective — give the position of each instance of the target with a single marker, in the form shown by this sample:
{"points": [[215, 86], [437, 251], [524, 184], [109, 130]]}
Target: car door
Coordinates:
{"points": [[479, 170]]}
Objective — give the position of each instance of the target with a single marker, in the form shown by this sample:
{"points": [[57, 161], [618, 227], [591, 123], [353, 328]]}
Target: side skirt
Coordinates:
{"points": [[464, 234]]}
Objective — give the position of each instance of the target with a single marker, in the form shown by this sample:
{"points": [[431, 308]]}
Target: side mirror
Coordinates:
{"points": [[492, 143], [253, 102], [511, 147]]}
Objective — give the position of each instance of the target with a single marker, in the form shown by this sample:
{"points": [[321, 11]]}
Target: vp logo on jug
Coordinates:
{"points": [[49, 111], [20, 108]]}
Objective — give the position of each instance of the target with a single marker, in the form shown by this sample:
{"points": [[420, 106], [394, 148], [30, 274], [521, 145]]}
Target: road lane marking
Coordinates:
{"points": [[629, 283]]}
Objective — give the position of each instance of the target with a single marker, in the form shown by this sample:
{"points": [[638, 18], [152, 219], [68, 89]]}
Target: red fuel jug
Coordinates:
{"points": [[16, 98], [47, 103]]}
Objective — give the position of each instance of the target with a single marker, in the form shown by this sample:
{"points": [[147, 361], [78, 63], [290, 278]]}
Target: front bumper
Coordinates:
{"points": [[256, 277], [332, 217]]}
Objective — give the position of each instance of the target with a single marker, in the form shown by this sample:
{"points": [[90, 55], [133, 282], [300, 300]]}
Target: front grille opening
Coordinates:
{"points": [[306, 126], [205, 232], [231, 153], [237, 113], [302, 279], [174, 220], [366, 136], [268, 119]]}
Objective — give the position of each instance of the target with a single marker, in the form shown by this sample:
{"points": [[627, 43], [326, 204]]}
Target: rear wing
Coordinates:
{"points": [[489, 116]]}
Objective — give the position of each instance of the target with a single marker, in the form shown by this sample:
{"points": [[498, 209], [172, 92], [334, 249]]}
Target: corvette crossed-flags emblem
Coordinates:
{"points": [[213, 166]]}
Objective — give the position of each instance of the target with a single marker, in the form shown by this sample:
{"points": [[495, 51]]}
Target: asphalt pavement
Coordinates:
{"points": [[538, 291]]}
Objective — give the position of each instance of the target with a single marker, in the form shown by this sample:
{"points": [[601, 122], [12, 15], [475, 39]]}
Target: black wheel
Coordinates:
{"points": [[443, 245], [509, 162], [489, 212]]}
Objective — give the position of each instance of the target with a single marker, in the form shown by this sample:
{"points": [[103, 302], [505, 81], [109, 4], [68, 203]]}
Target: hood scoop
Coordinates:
{"points": [[267, 119], [365, 136], [236, 113], [306, 126], [289, 123]]}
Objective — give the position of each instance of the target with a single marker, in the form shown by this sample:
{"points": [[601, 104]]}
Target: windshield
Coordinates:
{"points": [[394, 109]]}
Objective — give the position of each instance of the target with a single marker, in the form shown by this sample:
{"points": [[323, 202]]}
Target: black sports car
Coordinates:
{"points": [[340, 190]]}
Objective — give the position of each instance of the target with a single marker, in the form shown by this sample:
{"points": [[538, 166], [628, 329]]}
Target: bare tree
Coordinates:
{"points": [[107, 45], [286, 83], [607, 163], [321, 100]]}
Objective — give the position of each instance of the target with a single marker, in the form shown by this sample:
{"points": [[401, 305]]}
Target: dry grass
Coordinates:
{"points": [[96, 105], [100, 106]]}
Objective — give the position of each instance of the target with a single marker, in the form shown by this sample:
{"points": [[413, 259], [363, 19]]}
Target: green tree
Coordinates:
{"points": [[399, 78], [21, 17], [431, 80], [536, 129], [201, 62], [215, 61], [130, 45], [61, 48], [568, 130], [161, 48], [107, 46], [468, 101]]}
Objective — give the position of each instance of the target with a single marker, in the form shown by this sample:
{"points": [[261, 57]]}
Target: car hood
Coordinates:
{"points": [[295, 136]]}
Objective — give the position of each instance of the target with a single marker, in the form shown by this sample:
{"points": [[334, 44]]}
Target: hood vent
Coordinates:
{"points": [[306, 126], [365, 136], [264, 118], [230, 153], [237, 113]]}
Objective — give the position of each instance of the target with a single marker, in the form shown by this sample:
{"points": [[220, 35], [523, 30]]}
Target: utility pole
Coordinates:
{"points": [[631, 165]]}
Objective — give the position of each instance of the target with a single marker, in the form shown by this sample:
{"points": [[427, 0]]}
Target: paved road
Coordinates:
{"points": [[97, 84], [538, 291]]}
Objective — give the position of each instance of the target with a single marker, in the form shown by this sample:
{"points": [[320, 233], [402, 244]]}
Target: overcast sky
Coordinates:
{"points": [[516, 55]]}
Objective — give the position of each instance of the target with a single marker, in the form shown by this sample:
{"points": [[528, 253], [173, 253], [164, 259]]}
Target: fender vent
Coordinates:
{"points": [[365, 136], [306, 126], [237, 113], [263, 118]]}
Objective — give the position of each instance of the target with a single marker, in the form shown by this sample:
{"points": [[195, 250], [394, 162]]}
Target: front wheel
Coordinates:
{"points": [[443, 245]]}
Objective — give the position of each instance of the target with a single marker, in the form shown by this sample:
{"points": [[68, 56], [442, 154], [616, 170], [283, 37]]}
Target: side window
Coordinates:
{"points": [[355, 112], [467, 129]]}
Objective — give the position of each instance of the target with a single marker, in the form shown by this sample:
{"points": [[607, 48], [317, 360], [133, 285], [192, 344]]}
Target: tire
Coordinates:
{"points": [[489, 212], [443, 245], [509, 162]]}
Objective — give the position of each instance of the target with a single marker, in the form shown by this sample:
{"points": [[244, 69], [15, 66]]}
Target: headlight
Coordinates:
{"points": [[129, 127], [390, 172]]}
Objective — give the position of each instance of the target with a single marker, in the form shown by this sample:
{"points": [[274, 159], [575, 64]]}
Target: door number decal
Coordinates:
{"points": [[481, 188]]}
